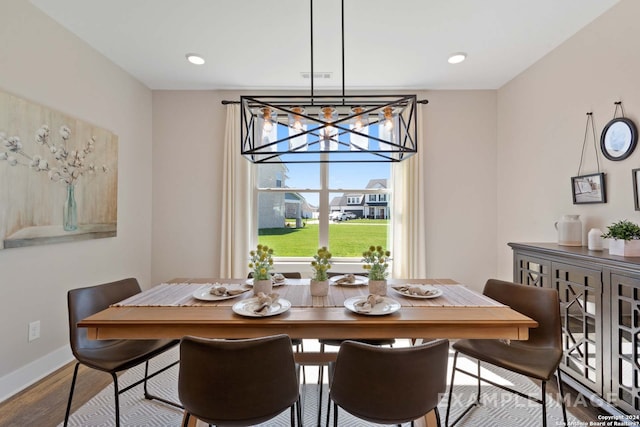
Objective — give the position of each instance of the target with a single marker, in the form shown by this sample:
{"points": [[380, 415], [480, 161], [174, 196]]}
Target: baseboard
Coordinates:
{"points": [[22, 378]]}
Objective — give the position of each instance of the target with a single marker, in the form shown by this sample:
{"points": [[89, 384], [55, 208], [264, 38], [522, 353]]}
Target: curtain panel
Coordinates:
{"points": [[237, 202], [408, 222]]}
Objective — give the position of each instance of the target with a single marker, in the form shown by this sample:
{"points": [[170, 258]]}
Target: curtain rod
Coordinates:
{"points": [[226, 102]]}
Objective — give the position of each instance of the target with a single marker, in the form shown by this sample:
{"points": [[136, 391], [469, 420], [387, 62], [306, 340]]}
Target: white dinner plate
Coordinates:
{"points": [[435, 294], [274, 284], [359, 281], [387, 306], [247, 307], [204, 294]]}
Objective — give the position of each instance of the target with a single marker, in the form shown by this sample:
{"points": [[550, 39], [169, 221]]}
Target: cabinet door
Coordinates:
{"points": [[532, 271], [625, 341], [580, 291]]}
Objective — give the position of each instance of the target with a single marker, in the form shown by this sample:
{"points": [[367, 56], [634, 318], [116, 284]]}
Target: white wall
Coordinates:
{"points": [[541, 125], [42, 62], [460, 135]]}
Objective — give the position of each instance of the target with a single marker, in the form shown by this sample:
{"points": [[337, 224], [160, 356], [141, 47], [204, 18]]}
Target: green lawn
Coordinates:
{"points": [[346, 239]]}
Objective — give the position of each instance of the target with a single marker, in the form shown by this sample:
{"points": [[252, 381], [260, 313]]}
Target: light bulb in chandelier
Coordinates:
{"points": [[297, 129], [328, 133], [388, 118], [267, 118], [387, 127], [359, 123]]}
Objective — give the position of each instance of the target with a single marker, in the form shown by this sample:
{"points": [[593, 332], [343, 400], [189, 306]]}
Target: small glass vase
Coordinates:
{"points": [[319, 288], [264, 286], [70, 210], [378, 287]]}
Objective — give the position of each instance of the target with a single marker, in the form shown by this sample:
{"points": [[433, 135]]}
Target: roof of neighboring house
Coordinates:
{"points": [[293, 197], [338, 201], [377, 183]]}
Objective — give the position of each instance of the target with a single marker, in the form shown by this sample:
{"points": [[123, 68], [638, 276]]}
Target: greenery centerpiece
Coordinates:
{"points": [[320, 264], [625, 238], [320, 280], [261, 262], [376, 262]]}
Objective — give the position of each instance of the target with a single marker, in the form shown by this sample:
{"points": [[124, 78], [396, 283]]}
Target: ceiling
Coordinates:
{"points": [[255, 44]]}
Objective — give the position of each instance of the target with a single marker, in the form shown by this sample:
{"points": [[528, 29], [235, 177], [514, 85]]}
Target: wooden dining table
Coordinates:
{"points": [[170, 310]]}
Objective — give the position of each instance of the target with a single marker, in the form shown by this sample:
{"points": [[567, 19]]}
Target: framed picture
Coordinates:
{"points": [[619, 138], [588, 189], [636, 190]]}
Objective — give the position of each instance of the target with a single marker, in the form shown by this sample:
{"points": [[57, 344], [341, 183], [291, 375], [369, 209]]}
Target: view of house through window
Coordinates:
{"points": [[302, 206]]}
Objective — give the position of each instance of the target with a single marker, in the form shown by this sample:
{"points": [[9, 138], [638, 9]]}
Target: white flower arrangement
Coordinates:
{"points": [[71, 165]]}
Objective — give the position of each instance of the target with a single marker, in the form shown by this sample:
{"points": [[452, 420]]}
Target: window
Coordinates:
{"points": [[295, 200]]}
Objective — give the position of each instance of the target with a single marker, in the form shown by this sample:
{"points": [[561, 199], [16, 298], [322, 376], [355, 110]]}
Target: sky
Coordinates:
{"points": [[341, 175]]}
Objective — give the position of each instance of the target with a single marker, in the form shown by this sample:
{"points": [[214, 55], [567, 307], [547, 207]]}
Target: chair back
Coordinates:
{"points": [[237, 382], [84, 302], [290, 275], [389, 385], [540, 304]]}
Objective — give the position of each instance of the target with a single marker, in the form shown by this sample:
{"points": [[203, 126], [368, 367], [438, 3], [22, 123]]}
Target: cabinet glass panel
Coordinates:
{"points": [[625, 306], [580, 292]]}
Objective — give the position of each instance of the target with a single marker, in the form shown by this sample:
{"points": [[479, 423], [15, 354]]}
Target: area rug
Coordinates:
{"points": [[499, 409]]}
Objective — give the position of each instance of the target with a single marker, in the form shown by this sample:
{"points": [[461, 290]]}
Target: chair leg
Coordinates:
{"points": [[186, 419], [117, 398], [543, 387], [470, 407], [292, 415], [320, 380], [73, 386], [335, 415], [564, 407], [453, 374], [300, 348], [328, 410]]}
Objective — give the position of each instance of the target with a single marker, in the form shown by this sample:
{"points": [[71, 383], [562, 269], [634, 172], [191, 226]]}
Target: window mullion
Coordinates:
{"points": [[323, 219]]}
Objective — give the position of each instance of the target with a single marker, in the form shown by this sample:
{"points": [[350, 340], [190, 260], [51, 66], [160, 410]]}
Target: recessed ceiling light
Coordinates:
{"points": [[457, 58], [194, 58]]}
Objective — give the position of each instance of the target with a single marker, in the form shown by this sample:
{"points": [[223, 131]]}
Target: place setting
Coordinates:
{"points": [[277, 279], [372, 305], [349, 280], [220, 292], [262, 305], [417, 291]]}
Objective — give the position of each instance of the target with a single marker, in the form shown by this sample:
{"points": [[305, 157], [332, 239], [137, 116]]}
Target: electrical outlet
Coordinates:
{"points": [[34, 330]]}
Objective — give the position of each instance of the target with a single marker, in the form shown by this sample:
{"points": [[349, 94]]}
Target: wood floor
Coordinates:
{"points": [[44, 403]]}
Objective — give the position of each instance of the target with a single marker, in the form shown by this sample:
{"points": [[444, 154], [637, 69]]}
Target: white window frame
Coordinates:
{"points": [[323, 210]]}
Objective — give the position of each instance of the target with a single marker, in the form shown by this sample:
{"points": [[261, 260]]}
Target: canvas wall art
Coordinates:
{"points": [[58, 176]]}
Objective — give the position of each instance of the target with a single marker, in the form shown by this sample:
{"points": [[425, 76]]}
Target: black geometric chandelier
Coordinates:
{"points": [[328, 128]]}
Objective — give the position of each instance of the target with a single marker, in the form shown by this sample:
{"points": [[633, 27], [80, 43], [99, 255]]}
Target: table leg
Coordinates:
{"points": [[429, 420], [193, 421]]}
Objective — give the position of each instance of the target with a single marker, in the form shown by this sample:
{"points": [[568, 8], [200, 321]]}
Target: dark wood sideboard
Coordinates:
{"points": [[600, 308]]}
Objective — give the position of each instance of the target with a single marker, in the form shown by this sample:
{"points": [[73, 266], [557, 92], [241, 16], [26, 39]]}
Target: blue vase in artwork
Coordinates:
{"points": [[70, 212]]}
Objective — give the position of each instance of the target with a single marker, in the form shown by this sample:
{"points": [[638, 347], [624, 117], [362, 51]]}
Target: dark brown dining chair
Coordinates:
{"points": [[111, 356], [538, 357], [388, 385], [337, 342], [238, 382]]}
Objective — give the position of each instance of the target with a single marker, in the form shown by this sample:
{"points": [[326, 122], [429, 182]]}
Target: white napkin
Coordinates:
{"points": [[223, 291], [347, 279], [367, 305], [278, 278], [265, 302], [415, 290]]}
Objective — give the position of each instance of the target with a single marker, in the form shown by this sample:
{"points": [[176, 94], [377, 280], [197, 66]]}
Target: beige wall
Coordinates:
{"points": [[499, 168], [42, 62], [541, 124], [460, 135]]}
